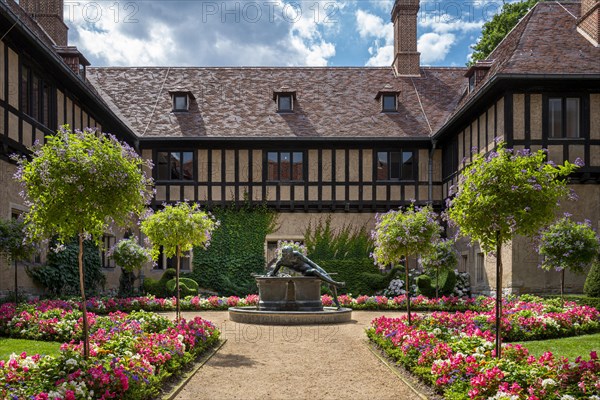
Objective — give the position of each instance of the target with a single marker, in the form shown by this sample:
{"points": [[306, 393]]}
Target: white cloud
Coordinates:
{"points": [[382, 56], [199, 33], [438, 25], [371, 26], [435, 47]]}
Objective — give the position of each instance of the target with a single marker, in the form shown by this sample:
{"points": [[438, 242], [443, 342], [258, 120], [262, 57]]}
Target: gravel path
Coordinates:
{"points": [[294, 362]]}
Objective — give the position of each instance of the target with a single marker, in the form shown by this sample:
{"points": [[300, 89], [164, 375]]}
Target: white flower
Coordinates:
{"points": [[71, 361], [548, 382], [567, 397]]}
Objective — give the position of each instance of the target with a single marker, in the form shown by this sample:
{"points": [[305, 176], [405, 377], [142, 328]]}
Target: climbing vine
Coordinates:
{"points": [[236, 250]]}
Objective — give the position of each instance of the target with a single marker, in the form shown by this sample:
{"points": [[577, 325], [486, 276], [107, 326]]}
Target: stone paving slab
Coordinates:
{"points": [[294, 362]]}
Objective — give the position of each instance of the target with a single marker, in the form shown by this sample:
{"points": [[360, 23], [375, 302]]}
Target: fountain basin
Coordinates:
{"points": [[252, 315], [292, 300]]}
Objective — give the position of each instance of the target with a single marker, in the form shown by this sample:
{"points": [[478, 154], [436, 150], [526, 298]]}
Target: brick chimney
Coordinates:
{"points": [[407, 58], [49, 14], [589, 22]]}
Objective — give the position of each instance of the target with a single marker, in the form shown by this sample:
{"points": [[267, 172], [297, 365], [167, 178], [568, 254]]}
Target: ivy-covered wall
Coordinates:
{"points": [[236, 251], [60, 276]]}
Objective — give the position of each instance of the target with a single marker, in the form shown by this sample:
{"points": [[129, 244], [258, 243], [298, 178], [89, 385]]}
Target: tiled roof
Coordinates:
{"points": [[548, 43], [544, 42], [238, 102]]}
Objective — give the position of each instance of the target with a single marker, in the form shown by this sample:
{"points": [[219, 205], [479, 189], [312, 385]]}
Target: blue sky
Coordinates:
{"points": [[267, 32]]}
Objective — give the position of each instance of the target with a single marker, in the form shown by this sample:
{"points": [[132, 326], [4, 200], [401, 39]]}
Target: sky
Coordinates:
{"points": [[268, 32]]}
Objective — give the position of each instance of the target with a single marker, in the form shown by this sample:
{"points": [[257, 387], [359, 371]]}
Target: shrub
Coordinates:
{"points": [[592, 282], [187, 286], [361, 275], [324, 243], [158, 288], [446, 284], [60, 276]]}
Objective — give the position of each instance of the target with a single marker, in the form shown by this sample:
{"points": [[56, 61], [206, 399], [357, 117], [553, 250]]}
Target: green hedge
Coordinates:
{"points": [[187, 287], [361, 275], [158, 287], [60, 275], [592, 282], [580, 299], [236, 251], [446, 283]]}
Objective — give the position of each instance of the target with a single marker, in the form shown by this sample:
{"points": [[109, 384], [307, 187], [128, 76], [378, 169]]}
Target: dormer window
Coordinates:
{"points": [[285, 100], [388, 103], [285, 103], [181, 101], [389, 100], [477, 72]]}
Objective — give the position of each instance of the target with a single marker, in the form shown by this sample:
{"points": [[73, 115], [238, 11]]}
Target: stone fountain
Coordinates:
{"points": [[292, 300]]}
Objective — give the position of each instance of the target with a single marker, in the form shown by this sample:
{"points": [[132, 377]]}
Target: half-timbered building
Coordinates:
{"points": [[342, 143]]}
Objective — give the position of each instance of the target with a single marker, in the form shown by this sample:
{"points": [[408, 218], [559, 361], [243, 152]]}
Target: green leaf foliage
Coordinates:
{"points": [[505, 194], [442, 255], [325, 243], [13, 241], [591, 287], [60, 275], [158, 287], [188, 286], [568, 245], [362, 277], [82, 182], [501, 24], [178, 228], [446, 281], [399, 234], [236, 251]]}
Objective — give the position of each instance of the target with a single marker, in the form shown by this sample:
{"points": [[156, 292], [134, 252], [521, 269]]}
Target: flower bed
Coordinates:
{"points": [[214, 303], [454, 352], [131, 355]]}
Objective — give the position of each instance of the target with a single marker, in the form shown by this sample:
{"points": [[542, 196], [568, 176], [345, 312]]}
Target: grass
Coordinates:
{"points": [[571, 347], [9, 346]]}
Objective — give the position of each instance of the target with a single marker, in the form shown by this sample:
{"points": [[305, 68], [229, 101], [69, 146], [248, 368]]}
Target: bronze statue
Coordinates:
{"points": [[298, 262]]}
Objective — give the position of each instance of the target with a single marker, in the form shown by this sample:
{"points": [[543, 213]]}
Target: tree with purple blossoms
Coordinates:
{"points": [[504, 194], [178, 229], [568, 245], [79, 184], [399, 234]]}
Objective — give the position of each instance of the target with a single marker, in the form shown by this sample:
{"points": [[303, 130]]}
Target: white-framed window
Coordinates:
{"points": [[108, 241]]}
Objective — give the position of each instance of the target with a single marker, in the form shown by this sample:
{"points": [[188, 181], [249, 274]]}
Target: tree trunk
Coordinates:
{"points": [[562, 288], [498, 295], [16, 284], [86, 337], [437, 282], [177, 291], [407, 290]]}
